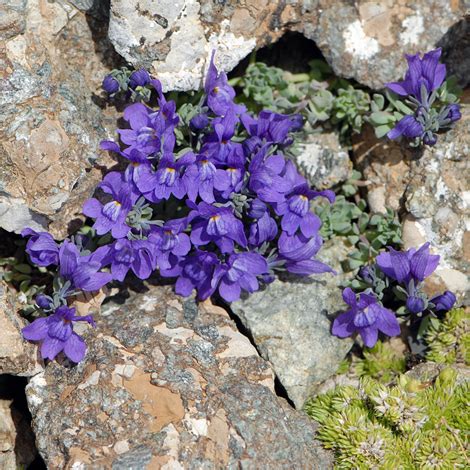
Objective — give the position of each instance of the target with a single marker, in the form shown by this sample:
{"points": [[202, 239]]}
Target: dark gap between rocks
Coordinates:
{"points": [[13, 388], [278, 387], [292, 52]]}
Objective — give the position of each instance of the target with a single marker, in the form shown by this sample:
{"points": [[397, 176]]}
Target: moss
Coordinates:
{"points": [[381, 362], [449, 340], [410, 425]]}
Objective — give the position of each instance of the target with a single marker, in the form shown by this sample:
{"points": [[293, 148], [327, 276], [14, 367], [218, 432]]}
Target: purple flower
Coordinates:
{"points": [[367, 317], [412, 264], [137, 255], [218, 225], [217, 145], [272, 127], [427, 72], [220, 94], [167, 180], [142, 136], [202, 177], [110, 84], [57, 335], [444, 301], [266, 179], [83, 271], [195, 272], [41, 247], [232, 181], [139, 78], [43, 301], [199, 122], [415, 304], [112, 215], [407, 126], [264, 228], [239, 273], [298, 251], [453, 112], [171, 243], [296, 210]]}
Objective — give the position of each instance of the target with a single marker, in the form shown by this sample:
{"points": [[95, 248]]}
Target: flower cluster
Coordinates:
{"points": [[396, 275], [134, 84], [426, 109], [219, 214]]}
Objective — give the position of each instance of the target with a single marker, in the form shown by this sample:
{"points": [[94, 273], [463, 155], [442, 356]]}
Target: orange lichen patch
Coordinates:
{"points": [[161, 404]]}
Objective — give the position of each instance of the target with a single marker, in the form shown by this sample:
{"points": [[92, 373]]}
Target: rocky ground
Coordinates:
{"points": [[169, 383]]}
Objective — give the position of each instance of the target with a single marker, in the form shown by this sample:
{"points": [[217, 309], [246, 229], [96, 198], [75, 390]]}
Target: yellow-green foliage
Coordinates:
{"points": [[380, 362], [449, 340], [407, 426]]}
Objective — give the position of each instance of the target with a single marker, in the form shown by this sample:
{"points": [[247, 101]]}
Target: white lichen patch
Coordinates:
{"points": [[358, 44], [413, 27]]}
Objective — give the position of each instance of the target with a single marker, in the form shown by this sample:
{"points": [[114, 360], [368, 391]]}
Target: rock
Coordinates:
{"points": [[385, 166], [50, 124], [323, 160], [290, 323], [167, 384], [428, 372], [17, 356], [437, 202], [17, 448], [367, 42], [430, 189]]}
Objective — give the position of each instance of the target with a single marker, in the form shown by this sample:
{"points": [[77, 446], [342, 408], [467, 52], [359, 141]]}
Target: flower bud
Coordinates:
{"points": [[139, 78], [199, 122], [43, 301], [444, 301], [415, 304], [110, 84]]}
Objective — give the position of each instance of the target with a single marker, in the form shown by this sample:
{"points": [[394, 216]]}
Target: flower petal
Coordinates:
{"points": [[75, 348]]}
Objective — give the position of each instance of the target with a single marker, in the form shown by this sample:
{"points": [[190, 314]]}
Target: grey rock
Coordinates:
{"points": [[50, 123], [290, 323], [323, 160], [171, 399], [438, 207], [366, 42]]}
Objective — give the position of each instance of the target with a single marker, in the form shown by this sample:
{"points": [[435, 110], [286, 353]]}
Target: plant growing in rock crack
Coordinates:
{"points": [[317, 95], [410, 425], [367, 233], [420, 106], [389, 288], [27, 279], [209, 200]]}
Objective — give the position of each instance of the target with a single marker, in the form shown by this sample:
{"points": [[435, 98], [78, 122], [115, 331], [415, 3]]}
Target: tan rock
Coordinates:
{"points": [[17, 356]]}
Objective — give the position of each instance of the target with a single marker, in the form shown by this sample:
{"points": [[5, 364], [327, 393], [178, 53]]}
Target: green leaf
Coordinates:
{"points": [[24, 286], [381, 131], [381, 117], [23, 268]]}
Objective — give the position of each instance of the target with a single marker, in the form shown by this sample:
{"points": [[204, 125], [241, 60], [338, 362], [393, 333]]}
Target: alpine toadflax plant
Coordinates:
{"points": [[427, 105], [212, 203], [395, 281]]}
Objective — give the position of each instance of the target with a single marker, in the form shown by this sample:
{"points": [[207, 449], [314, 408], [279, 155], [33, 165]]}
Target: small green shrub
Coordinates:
{"points": [[410, 425]]}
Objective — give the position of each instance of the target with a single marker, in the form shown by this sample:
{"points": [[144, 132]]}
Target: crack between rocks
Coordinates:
{"points": [[279, 388]]}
